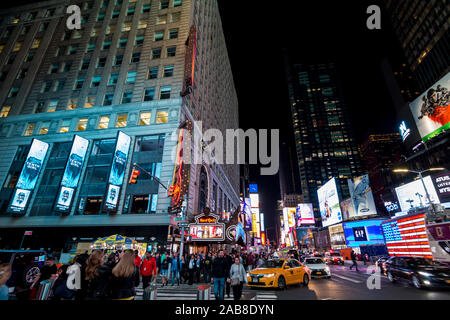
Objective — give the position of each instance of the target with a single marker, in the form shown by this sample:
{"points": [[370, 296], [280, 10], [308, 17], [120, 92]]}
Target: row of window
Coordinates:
{"points": [[103, 123]]}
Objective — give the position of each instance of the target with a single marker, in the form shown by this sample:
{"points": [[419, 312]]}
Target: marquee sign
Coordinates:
{"points": [[207, 228]]}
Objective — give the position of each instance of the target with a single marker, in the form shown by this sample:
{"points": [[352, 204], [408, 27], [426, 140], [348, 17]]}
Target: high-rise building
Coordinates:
{"points": [[422, 29], [325, 144], [142, 67]]}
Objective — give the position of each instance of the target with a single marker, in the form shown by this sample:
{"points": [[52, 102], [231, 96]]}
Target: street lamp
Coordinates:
{"points": [[421, 179]]}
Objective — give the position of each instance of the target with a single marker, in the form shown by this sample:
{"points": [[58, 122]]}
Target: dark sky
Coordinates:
{"points": [[312, 32]]}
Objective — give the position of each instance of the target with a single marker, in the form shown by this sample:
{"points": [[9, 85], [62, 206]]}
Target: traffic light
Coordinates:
{"points": [[134, 175]]}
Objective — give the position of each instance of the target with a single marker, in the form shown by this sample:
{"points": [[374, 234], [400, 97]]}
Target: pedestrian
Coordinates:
{"points": [[237, 278], [260, 260], [74, 277], [82, 261], [45, 273], [111, 260], [158, 263], [198, 269], [183, 273], [137, 259], [354, 263], [367, 257], [60, 290], [363, 258], [191, 269], [175, 269], [5, 274], [206, 265], [164, 268], [219, 275], [98, 277], [148, 269], [229, 260], [125, 278], [250, 262]]}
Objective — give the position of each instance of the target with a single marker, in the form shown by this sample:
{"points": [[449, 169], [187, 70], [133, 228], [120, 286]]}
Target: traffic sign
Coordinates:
{"points": [[178, 219], [183, 225]]}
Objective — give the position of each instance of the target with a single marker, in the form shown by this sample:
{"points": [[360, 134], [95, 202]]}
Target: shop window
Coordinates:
{"points": [[144, 203], [93, 205]]}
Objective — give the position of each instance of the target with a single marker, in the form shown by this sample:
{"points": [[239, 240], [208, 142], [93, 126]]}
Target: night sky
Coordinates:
{"points": [[257, 33]]}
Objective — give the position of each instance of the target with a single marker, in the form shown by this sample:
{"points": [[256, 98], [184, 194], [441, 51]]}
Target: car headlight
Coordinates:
{"points": [[425, 274], [327, 269], [248, 274], [269, 275]]}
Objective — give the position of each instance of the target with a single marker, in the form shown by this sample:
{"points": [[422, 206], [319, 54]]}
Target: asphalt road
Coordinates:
{"points": [[348, 284]]}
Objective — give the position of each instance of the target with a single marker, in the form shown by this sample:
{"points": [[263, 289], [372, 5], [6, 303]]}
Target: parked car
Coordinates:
{"points": [[420, 272]]}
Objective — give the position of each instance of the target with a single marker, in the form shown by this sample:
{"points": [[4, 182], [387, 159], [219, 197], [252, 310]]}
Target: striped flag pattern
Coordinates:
{"points": [[407, 237]]}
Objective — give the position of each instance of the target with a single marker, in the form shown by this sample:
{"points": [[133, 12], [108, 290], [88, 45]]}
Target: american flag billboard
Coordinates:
{"points": [[407, 236]]}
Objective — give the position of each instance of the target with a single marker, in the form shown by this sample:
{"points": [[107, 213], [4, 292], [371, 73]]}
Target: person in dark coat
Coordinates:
{"points": [[229, 261], [98, 277], [353, 256], [125, 278]]}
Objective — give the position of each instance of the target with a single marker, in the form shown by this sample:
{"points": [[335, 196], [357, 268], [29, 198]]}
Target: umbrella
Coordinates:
{"points": [[113, 241]]}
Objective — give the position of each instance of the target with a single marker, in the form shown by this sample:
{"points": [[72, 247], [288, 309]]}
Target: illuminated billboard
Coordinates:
{"points": [[361, 195], [253, 188], [330, 210], [117, 173], [72, 173], [363, 233], [247, 210], [431, 110], [254, 199], [255, 215], [202, 232], [305, 214], [28, 176], [442, 185], [413, 195], [291, 216], [348, 210], [262, 222], [286, 219]]}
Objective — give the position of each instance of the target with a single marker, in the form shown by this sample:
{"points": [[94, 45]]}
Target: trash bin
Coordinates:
{"points": [[204, 292], [150, 293]]}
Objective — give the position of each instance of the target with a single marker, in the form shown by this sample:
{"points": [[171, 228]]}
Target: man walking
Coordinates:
{"points": [[148, 269], [206, 265], [175, 269], [219, 273], [229, 261], [353, 256]]}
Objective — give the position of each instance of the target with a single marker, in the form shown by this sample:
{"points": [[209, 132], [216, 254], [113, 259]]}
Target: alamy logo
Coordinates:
{"points": [[374, 20], [74, 20]]}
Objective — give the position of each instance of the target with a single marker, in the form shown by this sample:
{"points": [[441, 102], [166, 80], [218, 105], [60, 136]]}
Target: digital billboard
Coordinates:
{"points": [[442, 185], [413, 195], [361, 195], [305, 214], [348, 209], [291, 213], [117, 172], [262, 222], [28, 176], [246, 208], [255, 215], [330, 210], [72, 173], [286, 219], [202, 232], [365, 232], [431, 110], [391, 203], [337, 237], [254, 199], [253, 188]]}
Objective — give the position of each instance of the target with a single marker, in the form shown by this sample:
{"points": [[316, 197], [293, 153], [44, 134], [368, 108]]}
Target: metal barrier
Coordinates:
{"points": [[204, 292]]}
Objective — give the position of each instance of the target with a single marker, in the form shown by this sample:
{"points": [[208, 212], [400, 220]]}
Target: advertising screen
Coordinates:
{"points": [[247, 210], [255, 215], [361, 195], [254, 199], [330, 210], [442, 186], [292, 213], [348, 209], [258, 230], [431, 110], [305, 214], [117, 173], [286, 219], [72, 174], [413, 195], [201, 232], [28, 176], [262, 222], [365, 232], [253, 188], [407, 236], [337, 236], [391, 203], [303, 236]]}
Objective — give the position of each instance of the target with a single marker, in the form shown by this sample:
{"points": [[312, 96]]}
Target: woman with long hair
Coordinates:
{"points": [[5, 274], [98, 276], [125, 277]]}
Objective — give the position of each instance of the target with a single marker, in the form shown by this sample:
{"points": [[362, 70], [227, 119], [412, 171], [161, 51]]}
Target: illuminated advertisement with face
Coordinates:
{"points": [[363, 233], [330, 210], [117, 173], [361, 195], [28, 176], [292, 213], [431, 110], [305, 214], [412, 195], [72, 174], [247, 210], [348, 210]]}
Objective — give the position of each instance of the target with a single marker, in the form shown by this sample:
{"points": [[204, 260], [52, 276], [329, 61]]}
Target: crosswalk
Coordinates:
{"points": [[186, 292]]}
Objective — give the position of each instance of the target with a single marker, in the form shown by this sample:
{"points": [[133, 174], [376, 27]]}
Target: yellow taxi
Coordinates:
{"points": [[279, 273]]}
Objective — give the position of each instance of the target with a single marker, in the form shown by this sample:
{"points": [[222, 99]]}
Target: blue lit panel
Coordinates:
{"points": [[367, 229]]}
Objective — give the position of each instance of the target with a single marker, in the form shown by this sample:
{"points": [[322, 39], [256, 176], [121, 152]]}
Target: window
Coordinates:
{"points": [[100, 17], [65, 126], [54, 68], [85, 64], [118, 60], [2, 46], [171, 51], [126, 26], [139, 41], [44, 127], [127, 95], [164, 4], [36, 43], [25, 30], [106, 45], [123, 42], [49, 13], [135, 57], [43, 26], [18, 46], [165, 92], [153, 72], [103, 122], [173, 34], [131, 77], [146, 8], [110, 29], [52, 105], [156, 53], [113, 79], [82, 124], [72, 104], [67, 35], [90, 47], [130, 11], [96, 81], [73, 49], [142, 24], [79, 83], [22, 73], [11, 59], [168, 71], [121, 120], [150, 143], [77, 34], [5, 111], [32, 15], [159, 35], [175, 17], [29, 57], [105, 3], [90, 102], [162, 19], [30, 129], [108, 99], [144, 118], [101, 62], [60, 85], [149, 94], [61, 51], [177, 3], [46, 86], [3, 75], [15, 19], [88, 5], [162, 117], [115, 14]]}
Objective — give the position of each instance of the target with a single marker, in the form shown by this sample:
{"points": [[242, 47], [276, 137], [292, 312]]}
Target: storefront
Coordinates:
{"points": [[337, 237]]}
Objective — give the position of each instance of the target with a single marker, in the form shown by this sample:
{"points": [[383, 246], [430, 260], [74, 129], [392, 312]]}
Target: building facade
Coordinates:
{"points": [[325, 144], [123, 71]]}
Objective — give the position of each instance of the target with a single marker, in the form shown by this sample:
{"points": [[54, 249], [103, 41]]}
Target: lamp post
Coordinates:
{"points": [[421, 179]]}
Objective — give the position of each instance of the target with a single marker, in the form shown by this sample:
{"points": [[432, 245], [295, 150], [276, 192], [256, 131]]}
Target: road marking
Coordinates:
{"points": [[348, 279], [327, 299]]}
